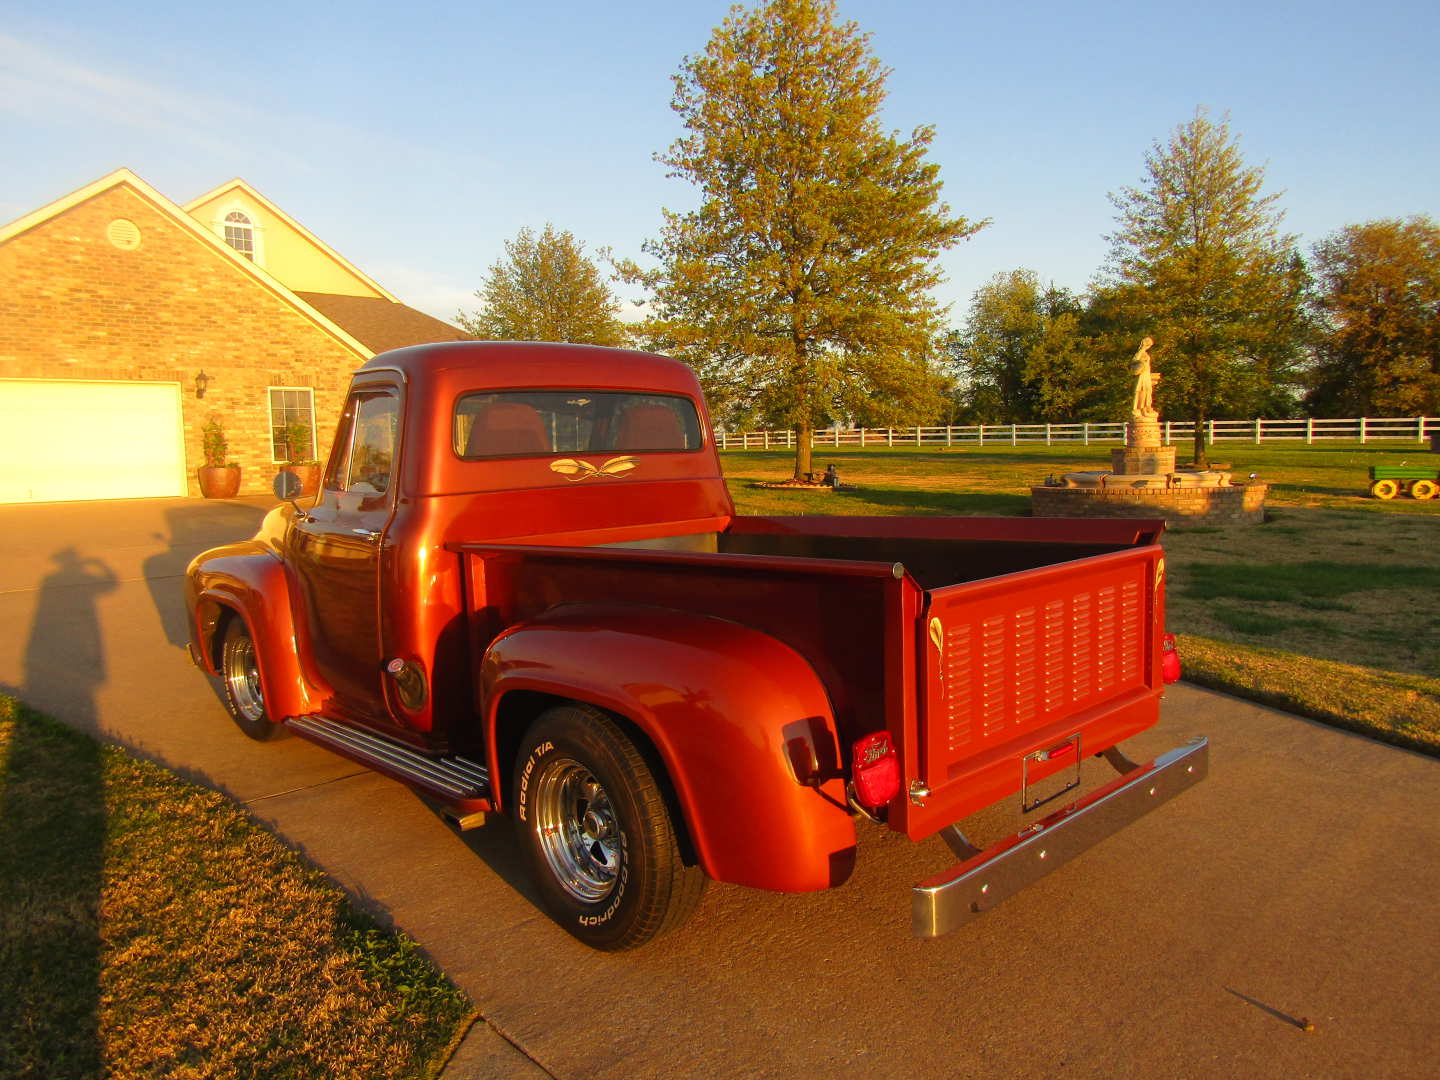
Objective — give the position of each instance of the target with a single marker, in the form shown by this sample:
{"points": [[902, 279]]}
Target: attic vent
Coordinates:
{"points": [[123, 233]]}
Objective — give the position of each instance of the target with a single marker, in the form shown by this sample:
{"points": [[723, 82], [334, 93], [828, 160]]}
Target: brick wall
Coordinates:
{"points": [[1238, 504], [75, 306]]}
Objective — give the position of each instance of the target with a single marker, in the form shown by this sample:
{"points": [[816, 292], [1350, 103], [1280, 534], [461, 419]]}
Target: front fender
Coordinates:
{"points": [[740, 720], [249, 580]]}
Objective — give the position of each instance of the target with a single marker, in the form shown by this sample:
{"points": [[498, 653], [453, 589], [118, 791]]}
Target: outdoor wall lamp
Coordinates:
{"points": [[201, 382]]}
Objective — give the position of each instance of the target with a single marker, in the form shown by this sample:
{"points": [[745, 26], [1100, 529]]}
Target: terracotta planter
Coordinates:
{"points": [[308, 475], [219, 481]]}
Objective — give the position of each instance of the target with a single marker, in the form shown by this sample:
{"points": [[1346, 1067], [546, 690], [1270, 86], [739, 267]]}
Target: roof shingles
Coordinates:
{"points": [[379, 324]]}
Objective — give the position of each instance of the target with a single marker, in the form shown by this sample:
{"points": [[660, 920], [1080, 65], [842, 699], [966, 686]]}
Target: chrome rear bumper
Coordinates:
{"points": [[953, 897]]}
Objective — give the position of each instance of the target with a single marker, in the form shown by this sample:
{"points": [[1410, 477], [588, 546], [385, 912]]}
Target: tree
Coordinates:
{"points": [[1379, 305], [1199, 264], [1025, 354], [800, 287], [1069, 367], [1003, 329], [545, 289]]}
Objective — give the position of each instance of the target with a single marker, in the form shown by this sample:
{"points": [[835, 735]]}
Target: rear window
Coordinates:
{"points": [[522, 423]]}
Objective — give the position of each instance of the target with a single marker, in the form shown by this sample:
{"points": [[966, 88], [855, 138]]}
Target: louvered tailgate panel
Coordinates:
{"points": [[1004, 661]]}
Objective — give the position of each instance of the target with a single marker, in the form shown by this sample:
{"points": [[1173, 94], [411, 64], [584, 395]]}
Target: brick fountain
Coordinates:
{"points": [[1143, 481]]}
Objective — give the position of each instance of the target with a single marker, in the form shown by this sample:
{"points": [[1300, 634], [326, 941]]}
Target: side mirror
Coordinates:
{"points": [[287, 486]]}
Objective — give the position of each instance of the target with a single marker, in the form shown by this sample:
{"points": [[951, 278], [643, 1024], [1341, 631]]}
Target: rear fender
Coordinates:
{"points": [[245, 580], [739, 720]]}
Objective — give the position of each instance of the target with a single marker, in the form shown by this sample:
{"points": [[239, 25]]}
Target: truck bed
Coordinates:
{"points": [[974, 641]]}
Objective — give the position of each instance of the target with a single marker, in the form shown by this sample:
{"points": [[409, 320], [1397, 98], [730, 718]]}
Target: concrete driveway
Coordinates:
{"points": [[1301, 881]]}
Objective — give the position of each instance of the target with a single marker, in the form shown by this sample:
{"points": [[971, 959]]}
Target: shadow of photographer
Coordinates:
{"points": [[52, 833]]}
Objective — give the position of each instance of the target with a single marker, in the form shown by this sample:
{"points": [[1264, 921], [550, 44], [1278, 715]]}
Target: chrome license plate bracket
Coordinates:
{"points": [[1036, 793]]}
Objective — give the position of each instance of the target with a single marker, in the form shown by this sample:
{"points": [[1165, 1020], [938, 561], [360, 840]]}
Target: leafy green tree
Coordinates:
{"points": [[1379, 305], [1002, 331], [1026, 354], [800, 287], [546, 289], [1199, 264], [1069, 367]]}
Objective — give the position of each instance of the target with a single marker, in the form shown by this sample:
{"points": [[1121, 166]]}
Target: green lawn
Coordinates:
{"points": [[1328, 609], [149, 928]]}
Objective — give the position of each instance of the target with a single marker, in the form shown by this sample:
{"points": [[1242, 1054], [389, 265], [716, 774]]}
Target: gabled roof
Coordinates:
{"points": [[89, 191], [382, 324], [126, 178], [240, 185]]}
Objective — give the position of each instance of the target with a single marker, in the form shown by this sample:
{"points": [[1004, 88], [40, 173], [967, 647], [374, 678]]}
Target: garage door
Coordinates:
{"points": [[89, 440]]}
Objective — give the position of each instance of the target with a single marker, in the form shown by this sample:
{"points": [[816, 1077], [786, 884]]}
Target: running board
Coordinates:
{"points": [[459, 783]]}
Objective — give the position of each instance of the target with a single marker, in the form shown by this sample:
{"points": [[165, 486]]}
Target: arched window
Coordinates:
{"points": [[240, 234]]}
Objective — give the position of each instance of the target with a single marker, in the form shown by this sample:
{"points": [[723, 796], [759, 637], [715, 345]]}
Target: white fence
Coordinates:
{"points": [[1358, 429]]}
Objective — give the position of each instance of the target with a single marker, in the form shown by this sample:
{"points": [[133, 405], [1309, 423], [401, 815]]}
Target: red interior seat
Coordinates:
{"points": [[649, 427], [507, 427]]}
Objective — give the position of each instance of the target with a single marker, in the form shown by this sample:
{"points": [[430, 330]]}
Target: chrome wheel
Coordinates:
{"points": [[578, 833], [595, 832], [242, 677]]}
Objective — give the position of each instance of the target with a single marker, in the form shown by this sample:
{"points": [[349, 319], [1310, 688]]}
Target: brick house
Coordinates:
{"points": [[114, 300]]}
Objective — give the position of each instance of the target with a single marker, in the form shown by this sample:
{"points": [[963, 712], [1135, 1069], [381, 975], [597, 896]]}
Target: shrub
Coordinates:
{"points": [[298, 450], [216, 446]]}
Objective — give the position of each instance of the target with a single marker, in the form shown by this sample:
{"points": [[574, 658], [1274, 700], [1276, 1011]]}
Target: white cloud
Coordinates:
{"points": [[632, 312], [39, 84], [431, 291]]}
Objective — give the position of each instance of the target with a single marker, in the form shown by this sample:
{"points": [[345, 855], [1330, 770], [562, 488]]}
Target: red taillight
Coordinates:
{"points": [[874, 770], [1169, 659]]}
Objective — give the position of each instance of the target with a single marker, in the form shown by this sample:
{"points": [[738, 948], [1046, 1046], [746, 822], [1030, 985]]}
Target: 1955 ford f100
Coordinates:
{"points": [[523, 588]]}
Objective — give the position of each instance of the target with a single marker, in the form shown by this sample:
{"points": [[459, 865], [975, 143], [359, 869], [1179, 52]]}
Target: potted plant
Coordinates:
{"points": [[300, 457], [219, 479]]}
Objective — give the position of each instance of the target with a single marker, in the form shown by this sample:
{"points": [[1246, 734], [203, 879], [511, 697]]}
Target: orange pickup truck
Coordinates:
{"points": [[523, 588]]}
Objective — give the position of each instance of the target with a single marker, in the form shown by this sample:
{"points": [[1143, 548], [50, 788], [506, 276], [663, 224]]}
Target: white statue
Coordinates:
{"points": [[1145, 380]]}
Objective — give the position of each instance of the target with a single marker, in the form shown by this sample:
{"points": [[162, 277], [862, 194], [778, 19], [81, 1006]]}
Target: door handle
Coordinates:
{"points": [[369, 534]]}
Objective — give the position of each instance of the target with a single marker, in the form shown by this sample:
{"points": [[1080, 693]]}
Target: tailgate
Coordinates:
{"points": [[1018, 663]]}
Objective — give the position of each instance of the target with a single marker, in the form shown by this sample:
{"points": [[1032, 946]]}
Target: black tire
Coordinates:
{"points": [[595, 832], [240, 675]]}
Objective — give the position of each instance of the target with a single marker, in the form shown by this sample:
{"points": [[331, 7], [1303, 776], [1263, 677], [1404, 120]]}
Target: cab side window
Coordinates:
{"points": [[371, 424]]}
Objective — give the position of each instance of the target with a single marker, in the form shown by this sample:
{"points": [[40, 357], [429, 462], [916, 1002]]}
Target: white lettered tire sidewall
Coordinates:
{"points": [[636, 906]]}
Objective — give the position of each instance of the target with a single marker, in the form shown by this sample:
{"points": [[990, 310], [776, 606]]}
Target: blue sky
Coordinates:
{"points": [[416, 138]]}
